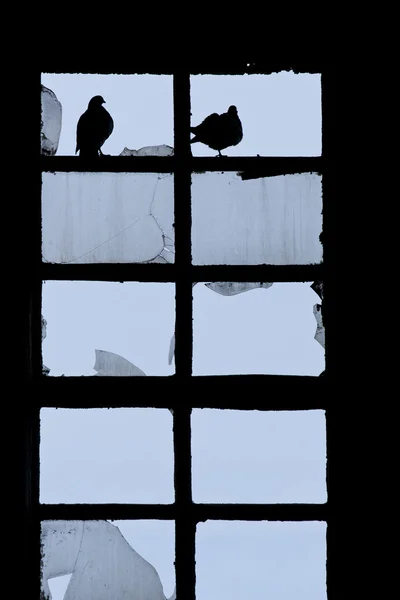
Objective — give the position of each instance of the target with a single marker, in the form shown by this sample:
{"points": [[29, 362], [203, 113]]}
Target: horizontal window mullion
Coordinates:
{"points": [[108, 164], [173, 273], [251, 166], [229, 392], [260, 512], [258, 273], [83, 512], [109, 272], [192, 512], [169, 67]]}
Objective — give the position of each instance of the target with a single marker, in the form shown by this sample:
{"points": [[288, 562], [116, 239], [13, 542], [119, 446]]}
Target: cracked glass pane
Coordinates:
{"points": [[120, 455], [103, 328], [274, 560], [140, 106], [269, 329], [107, 560], [280, 113], [107, 217], [263, 220], [261, 457]]}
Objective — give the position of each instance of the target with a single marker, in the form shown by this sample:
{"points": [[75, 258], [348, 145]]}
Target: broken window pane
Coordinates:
{"points": [[269, 330], [107, 217], [108, 328], [280, 113], [267, 220], [140, 105], [266, 457], [238, 560], [98, 455], [108, 560]]}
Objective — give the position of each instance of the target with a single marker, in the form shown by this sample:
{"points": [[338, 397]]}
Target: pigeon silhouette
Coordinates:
{"points": [[95, 125], [219, 131]]}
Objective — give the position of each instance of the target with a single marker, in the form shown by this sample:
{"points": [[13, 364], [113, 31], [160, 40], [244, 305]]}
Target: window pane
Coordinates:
{"points": [[86, 319], [108, 560], [267, 330], [268, 220], [94, 456], [266, 457], [280, 113], [238, 560], [107, 217], [140, 105]]}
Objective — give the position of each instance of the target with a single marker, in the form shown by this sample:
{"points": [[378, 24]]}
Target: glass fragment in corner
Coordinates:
{"points": [[108, 559]]}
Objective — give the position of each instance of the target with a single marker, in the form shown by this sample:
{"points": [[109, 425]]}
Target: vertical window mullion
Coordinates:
{"points": [[330, 320], [183, 221], [184, 526], [32, 528], [328, 213]]}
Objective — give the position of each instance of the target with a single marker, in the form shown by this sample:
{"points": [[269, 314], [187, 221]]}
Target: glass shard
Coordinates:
{"points": [[171, 351], [320, 332], [110, 364], [318, 287], [45, 369], [264, 331], [280, 113], [100, 455], [105, 561], [231, 288], [51, 122], [281, 560], [108, 327], [268, 220], [162, 150], [107, 217], [259, 457]]}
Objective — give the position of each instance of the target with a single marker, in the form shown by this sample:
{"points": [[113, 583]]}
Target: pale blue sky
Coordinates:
{"points": [[280, 113]]}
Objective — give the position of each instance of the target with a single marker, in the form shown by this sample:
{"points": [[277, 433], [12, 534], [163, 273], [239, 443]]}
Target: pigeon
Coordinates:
{"points": [[95, 125], [219, 131]]}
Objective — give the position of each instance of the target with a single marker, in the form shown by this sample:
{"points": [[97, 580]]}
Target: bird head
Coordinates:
{"points": [[96, 101], [232, 110]]}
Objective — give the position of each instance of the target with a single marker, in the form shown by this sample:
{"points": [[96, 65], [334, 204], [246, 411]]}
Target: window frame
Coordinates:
{"points": [[285, 392]]}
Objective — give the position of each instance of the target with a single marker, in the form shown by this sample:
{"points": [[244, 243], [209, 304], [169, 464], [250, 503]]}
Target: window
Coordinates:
{"points": [[182, 392]]}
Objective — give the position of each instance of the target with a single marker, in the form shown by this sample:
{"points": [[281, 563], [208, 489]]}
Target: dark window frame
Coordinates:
{"points": [[284, 392]]}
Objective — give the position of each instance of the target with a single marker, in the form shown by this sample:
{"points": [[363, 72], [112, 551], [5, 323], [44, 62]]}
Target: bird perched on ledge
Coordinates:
{"points": [[94, 127], [219, 131]]}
